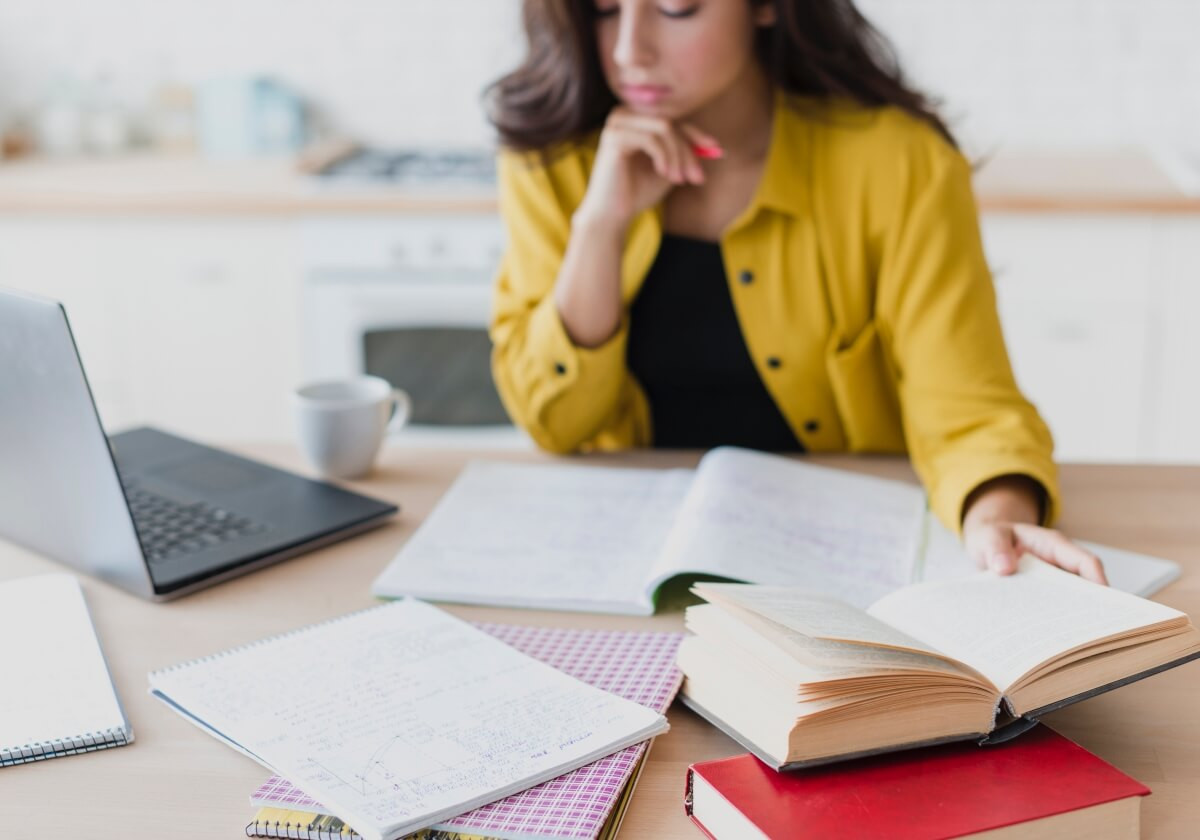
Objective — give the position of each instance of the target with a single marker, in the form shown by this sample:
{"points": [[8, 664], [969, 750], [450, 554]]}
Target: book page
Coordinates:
{"points": [[538, 535], [1004, 626], [813, 616], [768, 519], [822, 658], [416, 715]]}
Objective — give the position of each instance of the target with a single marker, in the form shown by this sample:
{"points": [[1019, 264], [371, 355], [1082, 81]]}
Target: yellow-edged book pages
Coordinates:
{"points": [[802, 679]]}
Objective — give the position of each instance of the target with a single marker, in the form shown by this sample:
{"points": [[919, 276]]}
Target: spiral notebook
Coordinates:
{"points": [[582, 805], [59, 698], [282, 822], [419, 716]]}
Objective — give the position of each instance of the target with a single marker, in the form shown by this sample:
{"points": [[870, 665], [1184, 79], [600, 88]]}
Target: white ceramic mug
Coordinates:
{"points": [[343, 422]]}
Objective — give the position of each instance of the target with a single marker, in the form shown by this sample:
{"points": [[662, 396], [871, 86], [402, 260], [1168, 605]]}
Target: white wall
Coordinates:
{"points": [[390, 71], [1056, 73], [1013, 72]]}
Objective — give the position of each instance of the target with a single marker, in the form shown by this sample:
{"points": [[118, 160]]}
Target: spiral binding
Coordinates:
{"points": [[321, 828], [42, 750], [271, 639], [315, 830]]}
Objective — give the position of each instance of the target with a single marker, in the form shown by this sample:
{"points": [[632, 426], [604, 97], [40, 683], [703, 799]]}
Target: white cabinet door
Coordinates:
{"points": [[217, 304], [186, 323], [80, 262], [1179, 401], [1076, 295]]}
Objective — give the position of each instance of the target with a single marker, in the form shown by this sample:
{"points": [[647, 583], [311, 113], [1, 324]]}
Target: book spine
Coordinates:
{"points": [[42, 750]]}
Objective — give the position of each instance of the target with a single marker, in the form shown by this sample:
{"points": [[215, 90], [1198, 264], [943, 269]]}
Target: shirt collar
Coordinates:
{"points": [[785, 176]]}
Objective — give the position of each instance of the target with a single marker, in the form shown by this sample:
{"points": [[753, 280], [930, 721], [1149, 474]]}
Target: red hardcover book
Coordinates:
{"points": [[1039, 785]]}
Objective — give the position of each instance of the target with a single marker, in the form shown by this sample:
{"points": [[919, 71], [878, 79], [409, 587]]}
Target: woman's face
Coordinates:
{"points": [[672, 57]]}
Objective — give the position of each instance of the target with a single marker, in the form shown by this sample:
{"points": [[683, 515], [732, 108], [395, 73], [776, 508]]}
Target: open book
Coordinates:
{"points": [[605, 539], [800, 678]]}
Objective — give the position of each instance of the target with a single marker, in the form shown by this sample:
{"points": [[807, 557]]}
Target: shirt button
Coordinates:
{"points": [[811, 426], [773, 362], [746, 277], [560, 368]]}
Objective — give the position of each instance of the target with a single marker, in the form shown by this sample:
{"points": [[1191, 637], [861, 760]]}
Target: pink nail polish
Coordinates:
{"points": [[706, 152]]}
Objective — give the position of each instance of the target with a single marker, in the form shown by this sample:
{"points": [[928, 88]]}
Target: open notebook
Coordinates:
{"points": [[605, 539], [58, 697], [400, 716]]}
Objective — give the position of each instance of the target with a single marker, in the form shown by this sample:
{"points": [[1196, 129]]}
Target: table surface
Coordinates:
{"points": [[176, 781]]}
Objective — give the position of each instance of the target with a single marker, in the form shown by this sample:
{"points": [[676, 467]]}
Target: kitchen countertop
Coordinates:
{"points": [[1086, 181], [189, 185], [1116, 181]]}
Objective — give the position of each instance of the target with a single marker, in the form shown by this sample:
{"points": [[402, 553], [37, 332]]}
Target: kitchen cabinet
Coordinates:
{"points": [[1078, 298], [216, 305], [1177, 384], [80, 262], [188, 323], [188, 303]]}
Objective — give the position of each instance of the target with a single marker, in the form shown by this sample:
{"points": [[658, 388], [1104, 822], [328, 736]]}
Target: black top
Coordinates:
{"points": [[687, 352]]}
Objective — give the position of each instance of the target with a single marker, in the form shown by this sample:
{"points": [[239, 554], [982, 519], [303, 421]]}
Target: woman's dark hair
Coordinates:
{"points": [[821, 49]]}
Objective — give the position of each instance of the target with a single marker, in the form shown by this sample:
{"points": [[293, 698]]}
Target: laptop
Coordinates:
{"points": [[150, 512]]}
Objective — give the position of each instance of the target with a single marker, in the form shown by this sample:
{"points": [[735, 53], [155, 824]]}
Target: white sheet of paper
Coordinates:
{"points": [[412, 716], [1128, 571]]}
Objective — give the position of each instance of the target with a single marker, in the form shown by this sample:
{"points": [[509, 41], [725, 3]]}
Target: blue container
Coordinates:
{"points": [[246, 117]]}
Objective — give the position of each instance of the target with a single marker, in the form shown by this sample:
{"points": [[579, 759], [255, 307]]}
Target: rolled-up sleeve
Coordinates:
{"points": [[562, 394], [965, 420]]}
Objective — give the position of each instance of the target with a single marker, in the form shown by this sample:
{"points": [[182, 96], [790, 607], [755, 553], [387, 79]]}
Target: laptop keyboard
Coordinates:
{"points": [[169, 529]]}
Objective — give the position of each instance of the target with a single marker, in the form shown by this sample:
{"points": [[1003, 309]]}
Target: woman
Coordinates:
{"points": [[731, 222]]}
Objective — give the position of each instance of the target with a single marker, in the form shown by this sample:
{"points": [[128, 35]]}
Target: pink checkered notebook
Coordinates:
{"points": [[636, 666]]}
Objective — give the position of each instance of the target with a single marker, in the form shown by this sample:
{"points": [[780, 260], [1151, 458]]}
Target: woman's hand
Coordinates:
{"points": [[1000, 525], [639, 160]]}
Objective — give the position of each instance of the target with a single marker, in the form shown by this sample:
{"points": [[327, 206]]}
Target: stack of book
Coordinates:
{"points": [[803, 680]]}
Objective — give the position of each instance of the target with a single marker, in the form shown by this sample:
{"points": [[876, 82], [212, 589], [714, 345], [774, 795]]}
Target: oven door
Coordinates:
{"points": [[425, 331]]}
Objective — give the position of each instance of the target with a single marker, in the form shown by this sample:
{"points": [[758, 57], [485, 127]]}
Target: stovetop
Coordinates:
{"points": [[413, 167]]}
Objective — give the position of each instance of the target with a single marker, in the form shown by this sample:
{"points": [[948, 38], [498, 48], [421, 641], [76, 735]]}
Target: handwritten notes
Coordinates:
{"points": [[765, 519], [605, 539], [562, 537], [415, 716]]}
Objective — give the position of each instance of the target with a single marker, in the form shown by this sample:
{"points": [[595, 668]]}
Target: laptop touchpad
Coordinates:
{"points": [[208, 474]]}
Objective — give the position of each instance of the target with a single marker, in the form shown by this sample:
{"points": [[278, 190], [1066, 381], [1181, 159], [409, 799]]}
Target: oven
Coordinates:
{"points": [[407, 297]]}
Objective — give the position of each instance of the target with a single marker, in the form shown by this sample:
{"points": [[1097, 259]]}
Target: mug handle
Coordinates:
{"points": [[401, 409]]}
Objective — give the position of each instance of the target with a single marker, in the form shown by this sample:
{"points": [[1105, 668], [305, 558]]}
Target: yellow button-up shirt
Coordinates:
{"points": [[860, 284]]}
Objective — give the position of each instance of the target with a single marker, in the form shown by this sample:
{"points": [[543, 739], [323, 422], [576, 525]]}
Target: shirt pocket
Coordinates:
{"points": [[864, 390]]}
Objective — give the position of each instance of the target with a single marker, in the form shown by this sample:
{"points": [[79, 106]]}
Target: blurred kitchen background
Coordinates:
{"points": [[234, 197]]}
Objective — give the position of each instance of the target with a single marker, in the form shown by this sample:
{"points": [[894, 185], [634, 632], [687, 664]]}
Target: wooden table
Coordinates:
{"points": [[177, 782]]}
